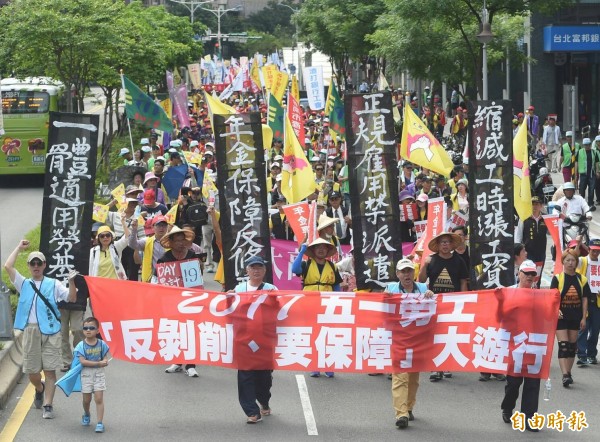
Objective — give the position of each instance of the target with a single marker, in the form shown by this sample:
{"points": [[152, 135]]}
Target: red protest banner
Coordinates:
{"points": [[298, 216], [408, 212], [436, 219], [554, 225], [296, 116], [496, 331]]}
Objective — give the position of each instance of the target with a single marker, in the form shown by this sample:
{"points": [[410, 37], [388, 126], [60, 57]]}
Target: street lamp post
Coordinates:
{"points": [[220, 12], [192, 5], [296, 35], [484, 37]]}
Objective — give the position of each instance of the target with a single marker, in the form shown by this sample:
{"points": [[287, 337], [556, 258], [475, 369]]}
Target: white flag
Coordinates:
{"points": [[315, 88]]}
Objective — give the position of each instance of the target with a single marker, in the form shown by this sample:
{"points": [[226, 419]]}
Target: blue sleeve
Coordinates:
{"points": [[297, 266], [336, 288], [105, 349]]}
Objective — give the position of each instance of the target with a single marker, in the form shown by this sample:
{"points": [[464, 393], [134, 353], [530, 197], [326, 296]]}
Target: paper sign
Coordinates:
{"points": [[184, 273]]}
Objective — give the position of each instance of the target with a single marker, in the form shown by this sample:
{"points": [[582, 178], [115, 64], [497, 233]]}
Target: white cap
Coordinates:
{"points": [[144, 141], [307, 141], [209, 144], [275, 165], [193, 143], [527, 266], [209, 152], [586, 141], [146, 149], [597, 138], [123, 151], [404, 263], [568, 133], [277, 158]]}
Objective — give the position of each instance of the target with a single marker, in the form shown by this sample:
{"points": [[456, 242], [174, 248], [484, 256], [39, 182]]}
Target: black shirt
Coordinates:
{"points": [[445, 275], [571, 296]]}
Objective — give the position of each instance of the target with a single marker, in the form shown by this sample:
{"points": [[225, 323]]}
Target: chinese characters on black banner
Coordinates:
{"points": [[373, 182], [242, 193], [69, 193], [491, 201]]}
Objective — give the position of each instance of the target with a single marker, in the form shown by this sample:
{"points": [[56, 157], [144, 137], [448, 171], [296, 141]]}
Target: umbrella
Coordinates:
{"points": [[173, 179]]}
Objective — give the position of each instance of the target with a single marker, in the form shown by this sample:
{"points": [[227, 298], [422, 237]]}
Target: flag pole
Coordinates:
{"points": [[128, 125]]}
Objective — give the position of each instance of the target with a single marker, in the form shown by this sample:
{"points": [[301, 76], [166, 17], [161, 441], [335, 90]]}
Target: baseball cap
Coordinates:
{"points": [[568, 133], [34, 255], [123, 151], [405, 263], [568, 186], [594, 244], [159, 219], [531, 108], [149, 196], [586, 141], [255, 260], [335, 194], [422, 197], [527, 266], [536, 199], [144, 141], [146, 149]]}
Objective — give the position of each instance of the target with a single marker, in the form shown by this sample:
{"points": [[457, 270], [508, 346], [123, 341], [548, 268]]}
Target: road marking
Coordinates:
{"points": [[95, 109], [309, 417], [18, 415]]}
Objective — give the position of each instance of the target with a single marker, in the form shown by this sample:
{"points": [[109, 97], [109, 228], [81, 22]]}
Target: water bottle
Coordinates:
{"points": [[547, 389]]}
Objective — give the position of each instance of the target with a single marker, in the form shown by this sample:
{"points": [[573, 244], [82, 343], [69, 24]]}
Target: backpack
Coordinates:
{"points": [[197, 214]]}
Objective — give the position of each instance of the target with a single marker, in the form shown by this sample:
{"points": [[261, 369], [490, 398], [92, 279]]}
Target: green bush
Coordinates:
{"points": [[33, 237]]}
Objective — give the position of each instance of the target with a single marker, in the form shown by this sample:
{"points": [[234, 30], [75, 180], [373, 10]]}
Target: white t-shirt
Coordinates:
{"points": [[61, 293]]}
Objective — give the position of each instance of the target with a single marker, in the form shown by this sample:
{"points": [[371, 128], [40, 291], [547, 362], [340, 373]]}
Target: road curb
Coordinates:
{"points": [[11, 363]]}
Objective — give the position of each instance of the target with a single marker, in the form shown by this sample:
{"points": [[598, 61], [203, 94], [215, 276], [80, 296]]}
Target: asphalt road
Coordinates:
{"points": [[144, 403]]}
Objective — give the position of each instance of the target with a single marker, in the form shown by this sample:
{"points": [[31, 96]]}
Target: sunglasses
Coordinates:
{"points": [[104, 235], [89, 328], [318, 168], [530, 273], [36, 263]]}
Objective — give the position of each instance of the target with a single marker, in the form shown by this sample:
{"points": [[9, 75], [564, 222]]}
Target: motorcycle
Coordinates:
{"points": [[543, 186], [574, 225]]}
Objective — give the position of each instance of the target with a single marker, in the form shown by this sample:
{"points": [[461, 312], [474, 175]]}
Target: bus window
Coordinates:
{"points": [[25, 102]]}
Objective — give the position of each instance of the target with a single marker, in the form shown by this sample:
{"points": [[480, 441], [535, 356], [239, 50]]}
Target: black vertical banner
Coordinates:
{"points": [[241, 181], [491, 198], [69, 193], [373, 173]]}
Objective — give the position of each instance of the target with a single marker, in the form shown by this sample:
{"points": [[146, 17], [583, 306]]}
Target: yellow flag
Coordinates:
{"points": [[99, 212], [166, 105], [255, 75], [268, 73], [384, 86], [522, 184], [297, 179], [294, 90], [172, 214], [419, 146], [279, 84], [192, 157], [118, 194], [208, 185], [215, 106]]}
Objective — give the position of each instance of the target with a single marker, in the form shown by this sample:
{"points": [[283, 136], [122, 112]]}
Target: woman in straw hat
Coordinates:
{"points": [[318, 272], [179, 243]]}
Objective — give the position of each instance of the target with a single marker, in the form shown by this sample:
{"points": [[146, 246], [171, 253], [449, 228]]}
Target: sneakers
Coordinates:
{"points": [[402, 422], [583, 362], [435, 376], [593, 360], [99, 427], [567, 380], [264, 410], [85, 420], [447, 374], [506, 415], [329, 374], [484, 377], [48, 412], [411, 416], [175, 368], [499, 377], [254, 419], [191, 372], [315, 374], [38, 397]]}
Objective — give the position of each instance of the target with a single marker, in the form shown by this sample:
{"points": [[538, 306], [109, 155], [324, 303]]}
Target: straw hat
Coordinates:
{"points": [[309, 249], [434, 244], [166, 240], [325, 221]]}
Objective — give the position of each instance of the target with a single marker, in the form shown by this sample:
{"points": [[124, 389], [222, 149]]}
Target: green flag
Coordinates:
{"points": [[337, 123], [142, 108], [275, 117]]}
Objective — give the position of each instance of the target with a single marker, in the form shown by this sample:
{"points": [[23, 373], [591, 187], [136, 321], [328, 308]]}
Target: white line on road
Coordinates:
{"points": [[309, 417]]}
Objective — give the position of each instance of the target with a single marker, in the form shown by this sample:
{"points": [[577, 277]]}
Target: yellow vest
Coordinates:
{"points": [[147, 261], [322, 282]]}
